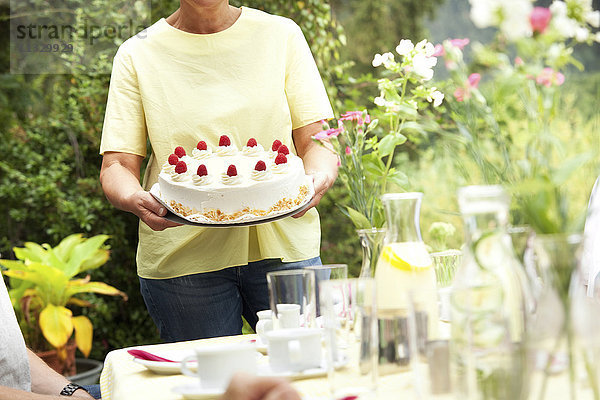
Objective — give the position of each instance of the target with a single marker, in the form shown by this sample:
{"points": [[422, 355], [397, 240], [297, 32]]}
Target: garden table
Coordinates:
{"points": [[124, 379]]}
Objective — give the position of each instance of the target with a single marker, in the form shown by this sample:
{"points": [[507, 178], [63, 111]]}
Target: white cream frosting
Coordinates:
{"points": [[253, 151], [280, 168], [200, 154], [201, 180], [231, 180], [168, 168], [179, 177], [226, 150], [260, 175]]}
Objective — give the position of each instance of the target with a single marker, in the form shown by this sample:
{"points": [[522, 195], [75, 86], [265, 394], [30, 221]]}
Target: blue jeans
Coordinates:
{"points": [[211, 304], [93, 390]]}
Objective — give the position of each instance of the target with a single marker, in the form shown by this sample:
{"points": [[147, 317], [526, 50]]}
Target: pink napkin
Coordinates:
{"points": [[144, 355]]}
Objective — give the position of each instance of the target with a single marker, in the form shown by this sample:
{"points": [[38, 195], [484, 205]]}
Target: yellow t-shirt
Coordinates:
{"points": [[255, 79]]}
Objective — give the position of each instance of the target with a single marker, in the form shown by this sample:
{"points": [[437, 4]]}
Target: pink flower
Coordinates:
{"points": [[549, 77], [460, 94], [473, 80], [355, 116], [519, 61], [438, 51], [539, 19], [348, 150], [460, 43]]}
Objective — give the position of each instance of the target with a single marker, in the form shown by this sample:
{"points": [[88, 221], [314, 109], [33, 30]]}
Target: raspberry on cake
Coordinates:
{"points": [[173, 159], [179, 151], [280, 159], [224, 141], [181, 167], [260, 166], [202, 171], [283, 150], [251, 142], [276, 145], [232, 170], [202, 145]]}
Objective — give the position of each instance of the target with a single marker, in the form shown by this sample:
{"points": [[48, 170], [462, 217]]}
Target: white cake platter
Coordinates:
{"points": [[173, 216]]}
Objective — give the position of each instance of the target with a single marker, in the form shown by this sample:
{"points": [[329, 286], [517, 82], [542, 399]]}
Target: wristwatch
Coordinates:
{"points": [[71, 388]]}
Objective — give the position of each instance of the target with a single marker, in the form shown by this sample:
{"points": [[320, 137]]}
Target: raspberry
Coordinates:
{"points": [[280, 159], [202, 170], [180, 168], [179, 151], [224, 141], [260, 166], [231, 171], [251, 142], [202, 145], [276, 145], [173, 159], [283, 150]]}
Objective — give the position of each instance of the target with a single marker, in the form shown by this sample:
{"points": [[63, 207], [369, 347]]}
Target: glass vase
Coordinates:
{"points": [[371, 241], [551, 335]]}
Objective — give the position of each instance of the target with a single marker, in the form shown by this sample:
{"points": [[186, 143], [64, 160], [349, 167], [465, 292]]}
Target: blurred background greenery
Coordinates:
{"points": [[50, 129]]}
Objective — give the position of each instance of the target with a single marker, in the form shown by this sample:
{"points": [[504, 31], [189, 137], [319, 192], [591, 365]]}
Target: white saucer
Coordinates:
{"points": [[162, 367], [195, 392]]}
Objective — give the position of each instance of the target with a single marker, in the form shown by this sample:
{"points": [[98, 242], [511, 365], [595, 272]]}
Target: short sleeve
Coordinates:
{"points": [[124, 128], [304, 87]]}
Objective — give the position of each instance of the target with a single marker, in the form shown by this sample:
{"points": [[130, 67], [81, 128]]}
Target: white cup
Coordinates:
{"points": [[288, 316], [218, 362], [264, 324], [294, 350]]}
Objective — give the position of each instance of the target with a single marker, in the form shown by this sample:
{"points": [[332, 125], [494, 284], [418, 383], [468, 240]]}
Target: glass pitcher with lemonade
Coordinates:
{"points": [[405, 280]]}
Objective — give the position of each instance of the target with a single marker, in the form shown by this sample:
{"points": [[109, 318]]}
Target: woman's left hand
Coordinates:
{"points": [[319, 162]]}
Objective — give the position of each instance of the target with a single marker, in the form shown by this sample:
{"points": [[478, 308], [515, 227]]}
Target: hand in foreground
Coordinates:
{"points": [[248, 387], [321, 182], [150, 211]]}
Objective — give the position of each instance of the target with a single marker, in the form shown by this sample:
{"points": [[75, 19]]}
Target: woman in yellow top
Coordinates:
{"points": [[211, 69]]}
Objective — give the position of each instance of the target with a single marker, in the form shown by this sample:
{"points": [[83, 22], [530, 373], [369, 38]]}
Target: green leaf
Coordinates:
{"points": [[65, 247], [388, 144], [82, 286], [82, 252], [358, 219], [567, 168], [398, 178], [31, 251]]}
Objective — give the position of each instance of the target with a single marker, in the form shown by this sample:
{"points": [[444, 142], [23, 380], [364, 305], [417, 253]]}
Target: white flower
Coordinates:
{"points": [[377, 60], [405, 47], [597, 37], [386, 59], [558, 9], [482, 13], [581, 34], [511, 16], [422, 65], [425, 47], [437, 97], [565, 26], [379, 101], [593, 18]]}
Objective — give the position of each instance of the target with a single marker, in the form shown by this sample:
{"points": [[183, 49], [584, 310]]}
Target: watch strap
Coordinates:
{"points": [[70, 389]]}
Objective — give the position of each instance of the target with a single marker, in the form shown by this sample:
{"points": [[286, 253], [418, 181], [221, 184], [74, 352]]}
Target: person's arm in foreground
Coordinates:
{"points": [[319, 162], [120, 179], [249, 387], [46, 384]]}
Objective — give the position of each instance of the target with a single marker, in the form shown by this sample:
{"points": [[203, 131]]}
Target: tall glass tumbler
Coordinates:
{"points": [[352, 366], [327, 272], [292, 287]]}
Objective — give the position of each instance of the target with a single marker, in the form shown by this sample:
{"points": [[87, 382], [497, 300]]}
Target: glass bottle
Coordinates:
{"points": [[406, 284], [488, 305]]}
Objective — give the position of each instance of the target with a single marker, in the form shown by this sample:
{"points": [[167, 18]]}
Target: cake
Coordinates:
{"points": [[225, 184]]}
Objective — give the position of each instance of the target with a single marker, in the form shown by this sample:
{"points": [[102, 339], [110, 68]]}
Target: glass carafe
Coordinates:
{"points": [[406, 284], [488, 303]]}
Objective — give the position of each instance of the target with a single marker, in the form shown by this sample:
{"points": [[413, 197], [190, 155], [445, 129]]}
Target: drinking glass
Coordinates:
{"points": [[327, 272], [294, 286], [352, 366], [445, 264]]}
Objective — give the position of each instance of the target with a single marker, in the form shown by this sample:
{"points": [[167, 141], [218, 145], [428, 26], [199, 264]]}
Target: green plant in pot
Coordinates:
{"points": [[45, 281]]}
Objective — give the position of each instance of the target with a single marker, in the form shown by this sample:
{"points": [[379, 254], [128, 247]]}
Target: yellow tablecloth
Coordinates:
{"points": [[124, 379]]}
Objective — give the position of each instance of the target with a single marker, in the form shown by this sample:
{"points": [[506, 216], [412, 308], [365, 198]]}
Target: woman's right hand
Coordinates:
{"points": [[120, 178], [149, 210]]}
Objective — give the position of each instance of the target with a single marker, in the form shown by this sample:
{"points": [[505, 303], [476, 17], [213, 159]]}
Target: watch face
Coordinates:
{"points": [[70, 389]]}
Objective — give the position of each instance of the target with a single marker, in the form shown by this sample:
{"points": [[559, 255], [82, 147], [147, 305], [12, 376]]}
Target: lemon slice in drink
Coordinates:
{"points": [[407, 256]]}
